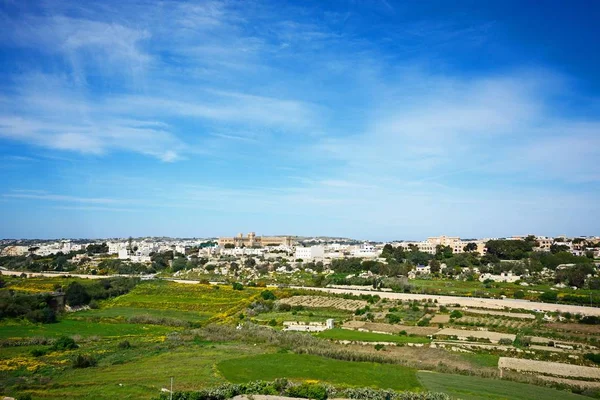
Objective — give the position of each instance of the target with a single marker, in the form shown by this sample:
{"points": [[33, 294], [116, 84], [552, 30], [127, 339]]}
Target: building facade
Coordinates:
{"points": [[251, 240]]}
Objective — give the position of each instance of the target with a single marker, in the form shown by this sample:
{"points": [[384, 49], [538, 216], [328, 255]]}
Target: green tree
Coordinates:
{"points": [[77, 295], [471, 246]]}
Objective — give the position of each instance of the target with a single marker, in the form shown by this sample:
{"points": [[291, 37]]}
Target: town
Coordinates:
{"points": [[315, 261]]}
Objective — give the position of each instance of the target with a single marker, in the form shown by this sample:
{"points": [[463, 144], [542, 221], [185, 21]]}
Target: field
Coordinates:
{"points": [[80, 328], [359, 336], [303, 367], [324, 302], [475, 388], [162, 329]]}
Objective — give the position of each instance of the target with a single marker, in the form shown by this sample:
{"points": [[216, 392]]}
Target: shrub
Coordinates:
{"points": [[267, 295], [38, 352], [24, 396], [77, 295], [379, 346], [519, 294], [505, 341], [273, 322], [125, 344], [283, 307], [308, 391], [237, 286], [84, 361], [402, 333], [424, 322], [549, 297], [64, 343], [590, 320], [595, 358], [456, 314], [94, 305], [393, 318]]}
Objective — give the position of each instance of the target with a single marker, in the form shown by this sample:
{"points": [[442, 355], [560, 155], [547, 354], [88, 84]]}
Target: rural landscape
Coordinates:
{"points": [[299, 200], [125, 337]]}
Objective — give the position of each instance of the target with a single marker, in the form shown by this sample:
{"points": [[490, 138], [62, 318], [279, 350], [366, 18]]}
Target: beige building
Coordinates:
{"points": [[456, 244], [251, 240]]}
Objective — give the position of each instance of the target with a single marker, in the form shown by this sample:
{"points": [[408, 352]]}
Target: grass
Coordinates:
{"points": [[144, 373], [117, 312], [11, 330], [346, 334], [482, 360], [475, 388], [309, 367], [163, 295]]}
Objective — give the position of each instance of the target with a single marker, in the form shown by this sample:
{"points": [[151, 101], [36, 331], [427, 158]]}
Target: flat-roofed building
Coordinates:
{"points": [[251, 240]]}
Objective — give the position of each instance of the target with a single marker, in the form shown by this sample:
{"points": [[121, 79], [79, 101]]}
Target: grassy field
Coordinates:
{"points": [[163, 295], [303, 367], [346, 334], [481, 359], [68, 327], [123, 313], [475, 388]]}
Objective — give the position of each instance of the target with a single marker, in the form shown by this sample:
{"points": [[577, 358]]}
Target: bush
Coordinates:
{"points": [[84, 361], [94, 305], [77, 295], [273, 322], [590, 320], [237, 286], [393, 318], [38, 352], [267, 295], [125, 344], [505, 341], [595, 358], [64, 343], [379, 346], [284, 307], [24, 396], [308, 391], [549, 297], [519, 294], [456, 314]]}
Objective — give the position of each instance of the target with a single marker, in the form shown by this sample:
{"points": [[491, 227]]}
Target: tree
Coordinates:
{"points": [[471, 246], [442, 252], [434, 266], [229, 246], [557, 248], [77, 295]]}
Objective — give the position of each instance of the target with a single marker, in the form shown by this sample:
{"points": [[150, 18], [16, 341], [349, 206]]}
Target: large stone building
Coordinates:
{"points": [[251, 240], [456, 244]]}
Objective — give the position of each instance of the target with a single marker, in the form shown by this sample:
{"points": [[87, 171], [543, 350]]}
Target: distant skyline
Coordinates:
{"points": [[372, 120]]}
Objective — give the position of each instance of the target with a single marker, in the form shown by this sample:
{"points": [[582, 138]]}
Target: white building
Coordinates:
{"points": [[309, 253], [365, 250]]}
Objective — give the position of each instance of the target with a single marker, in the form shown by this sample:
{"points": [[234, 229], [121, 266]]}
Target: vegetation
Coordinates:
{"points": [[345, 334], [303, 366]]}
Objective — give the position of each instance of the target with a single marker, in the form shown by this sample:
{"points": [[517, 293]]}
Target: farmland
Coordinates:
{"points": [[358, 336], [295, 366], [160, 329], [475, 388]]}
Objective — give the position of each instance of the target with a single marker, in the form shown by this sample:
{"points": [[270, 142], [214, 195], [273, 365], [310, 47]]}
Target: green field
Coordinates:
{"points": [[481, 359], [70, 327], [164, 295], [307, 367], [475, 388], [346, 334], [123, 313]]}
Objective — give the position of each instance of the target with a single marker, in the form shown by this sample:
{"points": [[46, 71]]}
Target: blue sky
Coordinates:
{"points": [[370, 119]]}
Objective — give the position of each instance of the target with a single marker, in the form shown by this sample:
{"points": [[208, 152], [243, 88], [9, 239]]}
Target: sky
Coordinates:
{"points": [[377, 120]]}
